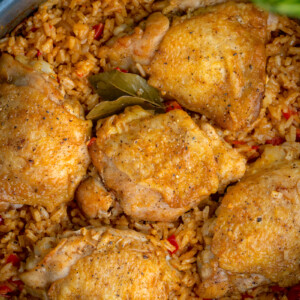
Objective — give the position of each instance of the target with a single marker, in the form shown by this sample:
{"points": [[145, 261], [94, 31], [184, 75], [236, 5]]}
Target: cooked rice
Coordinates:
{"points": [[61, 33]]}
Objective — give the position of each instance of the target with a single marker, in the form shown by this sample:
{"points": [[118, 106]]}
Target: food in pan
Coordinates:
{"points": [[128, 144]]}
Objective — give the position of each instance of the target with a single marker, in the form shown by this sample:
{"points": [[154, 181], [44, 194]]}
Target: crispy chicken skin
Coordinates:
{"points": [[43, 153], [103, 263], [214, 63], [255, 237], [159, 166]]}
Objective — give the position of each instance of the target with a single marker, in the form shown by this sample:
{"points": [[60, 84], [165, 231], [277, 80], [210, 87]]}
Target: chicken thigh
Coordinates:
{"points": [[43, 152], [159, 166], [102, 263], [255, 237], [212, 62]]}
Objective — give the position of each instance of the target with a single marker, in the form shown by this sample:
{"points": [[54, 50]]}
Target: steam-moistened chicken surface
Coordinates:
{"points": [[214, 63], [159, 166], [103, 263], [43, 153], [256, 237]]}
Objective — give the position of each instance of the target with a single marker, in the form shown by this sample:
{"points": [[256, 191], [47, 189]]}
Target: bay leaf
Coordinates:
{"points": [[107, 108], [114, 84]]}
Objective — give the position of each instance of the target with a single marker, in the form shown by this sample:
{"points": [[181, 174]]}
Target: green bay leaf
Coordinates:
{"points": [[114, 84], [107, 108]]}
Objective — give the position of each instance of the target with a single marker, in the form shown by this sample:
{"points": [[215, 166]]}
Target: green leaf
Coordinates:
{"points": [[107, 108], [285, 7], [114, 84]]}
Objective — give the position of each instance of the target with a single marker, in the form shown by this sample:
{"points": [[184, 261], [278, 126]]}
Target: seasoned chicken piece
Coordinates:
{"points": [[159, 166], [43, 152], [103, 263], [139, 47], [214, 63], [93, 199], [255, 237]]}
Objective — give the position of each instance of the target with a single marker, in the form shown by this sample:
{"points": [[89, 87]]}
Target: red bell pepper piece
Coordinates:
{"points": [[245, 296], [288, 114], [278, 289], [18, 283], [297, 135], [39, 53], [92, 141], [172, 105], [173, 242], [294, 293], [255, 147], [14, 259], [121, 70], [4, 289], [98, 31]]}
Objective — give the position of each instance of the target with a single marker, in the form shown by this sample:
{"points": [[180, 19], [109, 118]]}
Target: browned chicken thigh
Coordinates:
{"points": [[102, 263], [159, 166], [212, 62], [43, 152], [255, 237]]}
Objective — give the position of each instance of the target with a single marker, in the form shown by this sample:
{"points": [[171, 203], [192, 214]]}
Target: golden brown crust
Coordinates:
{"points": [[214, 63], [43, 152], [257, 228]]}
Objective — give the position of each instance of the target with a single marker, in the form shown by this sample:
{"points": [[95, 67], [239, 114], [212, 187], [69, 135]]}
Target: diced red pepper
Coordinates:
{"points": [[255, 147], [39, 53], [18, 283], [14, 259], [238, 142], [172, 105], [1, 220], [121, 70], [34, 29], [98, 31], [288, 114], [275, 141], [173, 242], [245, 296], [297, 135], [294, 293], [278, 289], [4, 289], [91, 141]]}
